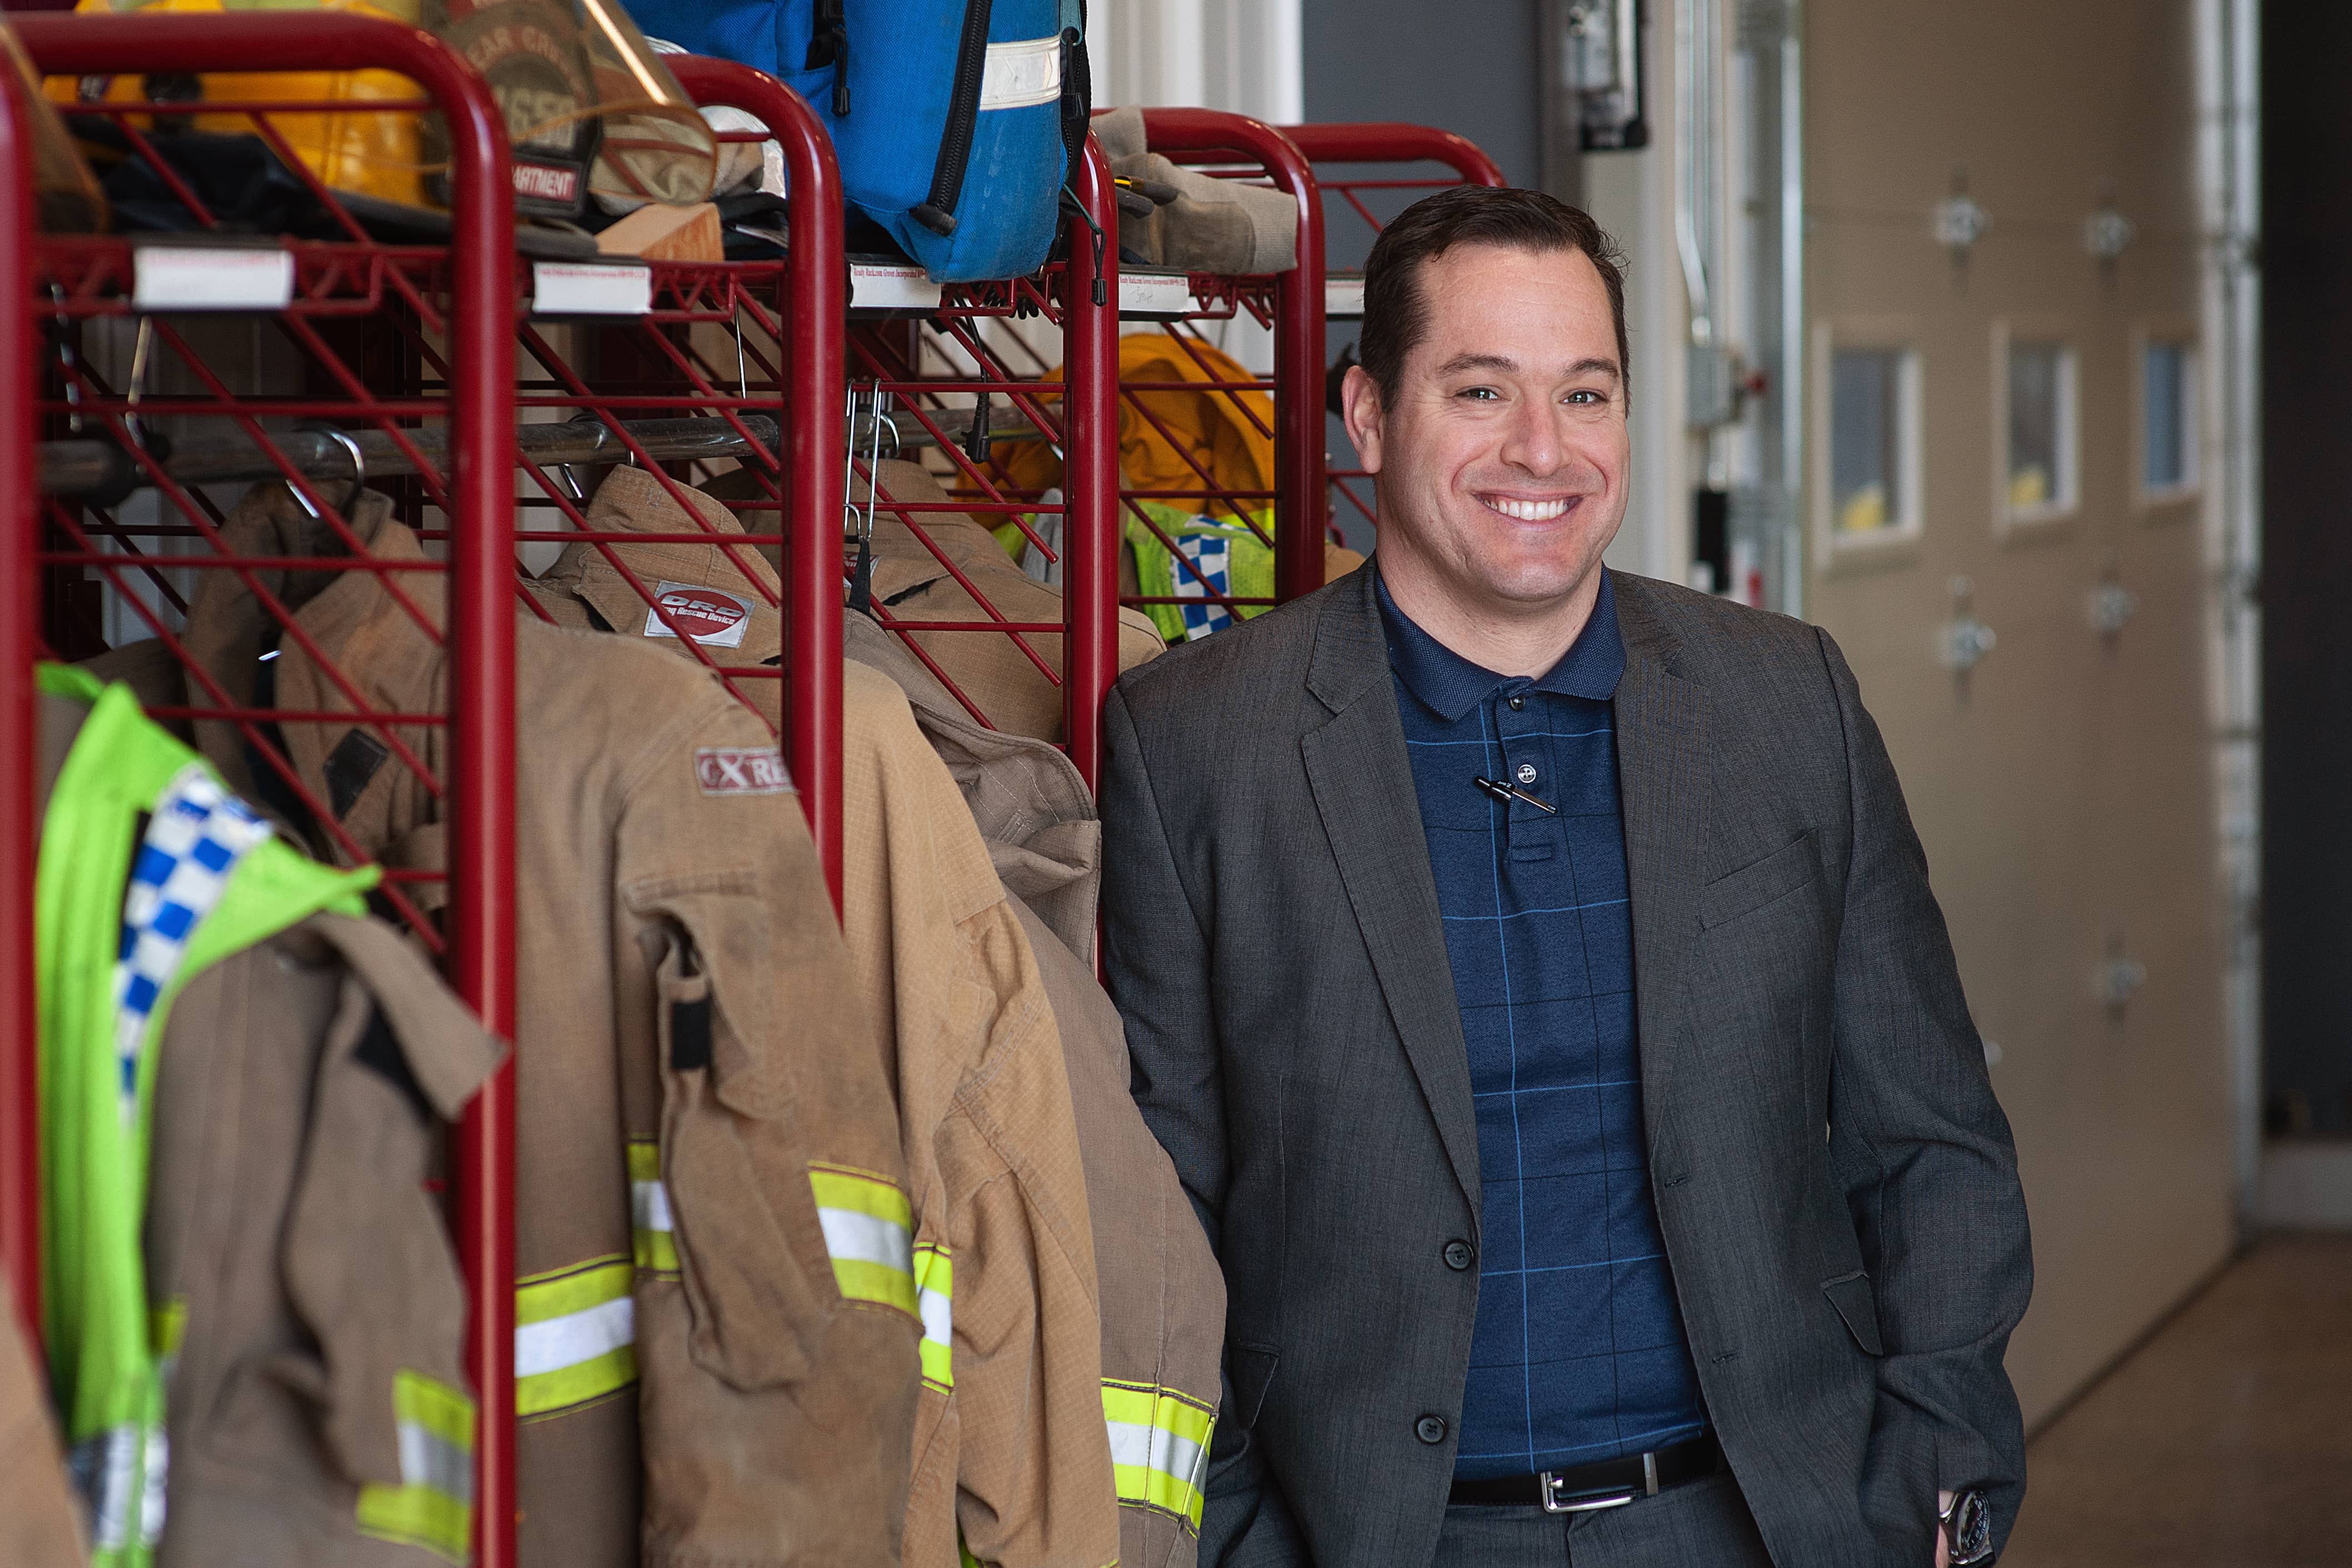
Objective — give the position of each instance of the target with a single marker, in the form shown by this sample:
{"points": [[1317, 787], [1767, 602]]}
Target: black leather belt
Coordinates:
{"points": [[1611, 1483]]}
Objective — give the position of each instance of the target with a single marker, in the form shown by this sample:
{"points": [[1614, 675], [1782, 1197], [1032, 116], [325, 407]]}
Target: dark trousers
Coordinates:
{"points": [[1704, 1524]]}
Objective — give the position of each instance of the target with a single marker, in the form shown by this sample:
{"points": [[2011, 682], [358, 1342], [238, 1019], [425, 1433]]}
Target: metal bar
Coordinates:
{"points": [[77, 467], [1393, 142], [817, 306], [1300, 505], [20, 836], [1091, 537]]}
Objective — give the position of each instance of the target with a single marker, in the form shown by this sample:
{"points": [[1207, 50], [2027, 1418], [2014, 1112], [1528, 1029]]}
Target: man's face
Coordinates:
{"points": [[1503, 461]]}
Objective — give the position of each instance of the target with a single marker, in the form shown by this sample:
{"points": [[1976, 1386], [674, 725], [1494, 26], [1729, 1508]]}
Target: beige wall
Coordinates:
{"points": [[2062, 789]]}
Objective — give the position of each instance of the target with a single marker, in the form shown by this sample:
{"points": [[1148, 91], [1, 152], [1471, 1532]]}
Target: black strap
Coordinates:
{"points": [[829, 45], [1683, 1462], [689, 1035]]}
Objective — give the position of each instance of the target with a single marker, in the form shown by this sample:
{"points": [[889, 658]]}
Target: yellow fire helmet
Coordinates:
{"points": [[588, 105]]}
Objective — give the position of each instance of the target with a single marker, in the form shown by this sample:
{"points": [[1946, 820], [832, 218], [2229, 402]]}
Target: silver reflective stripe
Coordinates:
{"points": [[938, 1312], [555, 1343], [121, 1495], [428, 1460], [650, 1203], [1156, 1449], [154, 1487], [864, 1237], [1021, 74]]}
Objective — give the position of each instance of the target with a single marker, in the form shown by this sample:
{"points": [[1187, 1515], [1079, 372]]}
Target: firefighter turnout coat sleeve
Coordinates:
{"points": [[313, 1314], [713, 1233], [1010, 1448], [1163, 1298], [38, 1527]]}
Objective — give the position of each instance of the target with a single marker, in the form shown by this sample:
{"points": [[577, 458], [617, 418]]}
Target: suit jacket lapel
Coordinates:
{"points": [[1362, 782], [1663, 784]]}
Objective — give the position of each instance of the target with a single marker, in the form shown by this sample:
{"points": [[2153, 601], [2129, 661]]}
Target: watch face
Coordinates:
{"points": [[1971, 1529]]}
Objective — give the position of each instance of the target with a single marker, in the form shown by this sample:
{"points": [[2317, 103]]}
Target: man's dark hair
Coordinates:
{"points": [[1396, 312]]}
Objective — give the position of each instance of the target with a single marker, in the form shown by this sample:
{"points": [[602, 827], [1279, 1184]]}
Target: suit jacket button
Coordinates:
{"points": [[1457, 1256], [1430, 1430]]}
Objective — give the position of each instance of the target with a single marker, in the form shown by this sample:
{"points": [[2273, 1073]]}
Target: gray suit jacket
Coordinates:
{"points": [[1835, 1181]]}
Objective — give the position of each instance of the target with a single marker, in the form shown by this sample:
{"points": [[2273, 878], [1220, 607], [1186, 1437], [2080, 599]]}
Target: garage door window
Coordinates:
{"points": [[2042, 431], [1873, 439]]}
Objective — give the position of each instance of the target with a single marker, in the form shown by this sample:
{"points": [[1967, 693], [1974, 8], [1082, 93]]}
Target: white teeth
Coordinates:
{"points": [[1530, 511]]}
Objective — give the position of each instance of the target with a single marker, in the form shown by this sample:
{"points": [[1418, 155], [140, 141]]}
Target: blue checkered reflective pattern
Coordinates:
{"points": [[1212, 554], [1578, 1352], [196, 836]]}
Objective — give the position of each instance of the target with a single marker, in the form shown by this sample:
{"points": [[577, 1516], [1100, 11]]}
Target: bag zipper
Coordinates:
{"points": [[938, 214]]}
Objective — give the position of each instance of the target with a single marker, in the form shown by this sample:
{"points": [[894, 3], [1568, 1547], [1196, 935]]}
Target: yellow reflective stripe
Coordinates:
{"points": [[869, 1231], [934, 1304], [645, 1160], [1158, 1447], [575, 1336], [561, 1293], [656, 1246], [432, 1506], [445, 1411], [167, 1325], [418, 1516]]}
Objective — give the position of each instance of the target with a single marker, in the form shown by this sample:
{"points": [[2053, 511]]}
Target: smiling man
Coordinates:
{"points": [[1532, 972]]}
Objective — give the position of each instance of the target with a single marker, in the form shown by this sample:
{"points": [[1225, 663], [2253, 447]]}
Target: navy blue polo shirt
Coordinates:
{"points": [[1579, 1353]]}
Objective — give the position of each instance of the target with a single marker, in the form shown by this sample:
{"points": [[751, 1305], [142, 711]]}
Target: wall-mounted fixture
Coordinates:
{"points": [[1963, 641], [1593, 96], [2107, 234], [1961, 221], [2111, 605]]}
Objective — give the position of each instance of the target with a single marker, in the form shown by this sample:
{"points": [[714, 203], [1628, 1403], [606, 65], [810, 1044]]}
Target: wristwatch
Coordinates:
{"points": [[1967, 1529]]}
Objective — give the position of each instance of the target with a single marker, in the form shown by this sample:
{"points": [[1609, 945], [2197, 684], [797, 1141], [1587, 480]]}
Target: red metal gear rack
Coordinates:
{"points": [[1291, 304], [1077, 294], [789, 317], [464, 290], [468, 292], [20, 1151], [1381, 143]]}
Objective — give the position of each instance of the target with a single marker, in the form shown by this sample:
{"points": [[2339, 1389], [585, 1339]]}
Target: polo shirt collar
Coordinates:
{"points": [[1450, 685]]}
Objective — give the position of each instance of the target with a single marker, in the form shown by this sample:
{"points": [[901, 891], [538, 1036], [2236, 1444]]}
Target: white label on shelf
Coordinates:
{"points": [[590, 289], [1155, 294], [187, 278], [1343, 297], [874, 286]]}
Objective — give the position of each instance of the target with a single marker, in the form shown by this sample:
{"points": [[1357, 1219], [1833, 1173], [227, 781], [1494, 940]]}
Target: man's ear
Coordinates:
{"points": [[1359, 405]]}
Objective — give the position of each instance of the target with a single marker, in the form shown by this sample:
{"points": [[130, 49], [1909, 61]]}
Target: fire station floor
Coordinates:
{"points": [[2223, 1442]]}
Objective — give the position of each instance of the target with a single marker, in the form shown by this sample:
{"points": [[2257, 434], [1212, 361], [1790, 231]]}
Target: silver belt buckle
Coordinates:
{"points": [[1554, 1503]]}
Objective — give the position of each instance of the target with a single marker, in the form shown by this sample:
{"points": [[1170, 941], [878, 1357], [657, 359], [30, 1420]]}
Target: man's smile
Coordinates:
{"points": [[1529, 508]]}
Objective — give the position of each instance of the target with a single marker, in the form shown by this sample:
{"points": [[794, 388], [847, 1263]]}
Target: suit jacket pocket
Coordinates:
{"points": [[1758, 883], [1850, 1295], [1253, 1374]]}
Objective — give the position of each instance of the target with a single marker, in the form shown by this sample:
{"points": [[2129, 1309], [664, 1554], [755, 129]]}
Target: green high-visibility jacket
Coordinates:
{"points": [[150, 872]]}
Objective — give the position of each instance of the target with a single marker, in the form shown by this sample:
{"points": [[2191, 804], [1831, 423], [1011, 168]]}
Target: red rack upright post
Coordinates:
{"points": [[814, 492], [1091, 526], [20, 833], [480, 922], [1299, 507]]}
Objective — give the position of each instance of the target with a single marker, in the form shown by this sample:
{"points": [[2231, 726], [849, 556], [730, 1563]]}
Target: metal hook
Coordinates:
{"points": [[351, 446], [140, 348], [67, 358]]}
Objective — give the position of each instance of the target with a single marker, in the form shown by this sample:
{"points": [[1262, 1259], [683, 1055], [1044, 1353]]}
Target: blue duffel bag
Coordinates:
{"points": [[954, 120]]}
